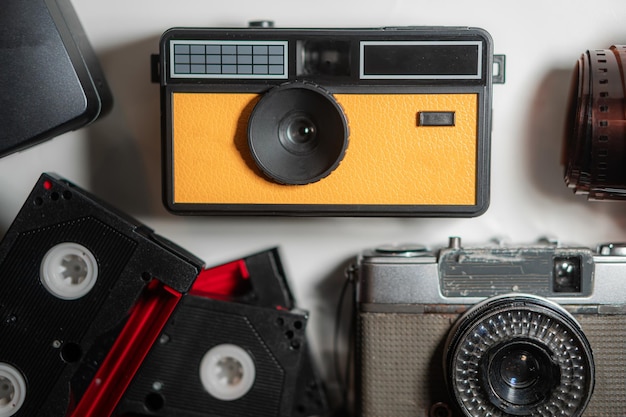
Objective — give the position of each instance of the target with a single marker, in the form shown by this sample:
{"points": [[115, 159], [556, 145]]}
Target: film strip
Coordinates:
{"points": [[610, 113], [594, 144]]}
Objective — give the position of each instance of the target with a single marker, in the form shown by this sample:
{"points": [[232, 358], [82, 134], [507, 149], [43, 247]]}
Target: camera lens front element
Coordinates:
{"points": [[519, 355], [519, 376], [518, 368], [297, 134]]}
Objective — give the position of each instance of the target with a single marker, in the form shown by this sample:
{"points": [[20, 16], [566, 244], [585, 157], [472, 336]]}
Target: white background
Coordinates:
{"points": [[118, 158]]}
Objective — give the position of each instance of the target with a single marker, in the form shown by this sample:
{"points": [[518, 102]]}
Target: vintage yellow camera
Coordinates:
{"points": [[342, 122]]}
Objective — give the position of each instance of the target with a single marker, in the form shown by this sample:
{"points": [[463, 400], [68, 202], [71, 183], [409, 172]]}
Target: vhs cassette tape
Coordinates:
{"points": [[259, 279], [86, 292], [221, 358], [335, 122]]}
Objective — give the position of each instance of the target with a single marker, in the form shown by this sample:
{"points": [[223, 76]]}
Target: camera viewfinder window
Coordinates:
{"points": [[323, 57], [460, 60], [566, 274]]}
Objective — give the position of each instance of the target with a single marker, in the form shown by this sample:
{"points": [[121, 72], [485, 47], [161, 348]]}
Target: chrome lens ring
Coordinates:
{"points": [[487, 350]]}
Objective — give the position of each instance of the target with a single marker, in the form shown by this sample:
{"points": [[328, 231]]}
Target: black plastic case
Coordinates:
{"points": [[50, 79]]}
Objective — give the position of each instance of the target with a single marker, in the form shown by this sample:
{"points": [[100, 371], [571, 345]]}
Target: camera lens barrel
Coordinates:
{"points": [[595, 133], [297, 133], [519, 355]]}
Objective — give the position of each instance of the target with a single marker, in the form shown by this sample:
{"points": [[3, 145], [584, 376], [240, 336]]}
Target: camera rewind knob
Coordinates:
{"points": [[454, 242], [407, 249]]}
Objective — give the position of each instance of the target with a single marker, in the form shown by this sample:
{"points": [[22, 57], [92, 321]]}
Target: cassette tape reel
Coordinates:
{"points": [[259, 279], [221, 358], [86, 291]]}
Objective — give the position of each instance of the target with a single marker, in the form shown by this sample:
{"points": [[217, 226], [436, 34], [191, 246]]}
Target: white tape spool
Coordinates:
{"points": [[69, 271], [12, 390], [227, 372]]}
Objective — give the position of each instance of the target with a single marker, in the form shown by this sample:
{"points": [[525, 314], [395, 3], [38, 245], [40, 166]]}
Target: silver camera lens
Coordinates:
{"points": [[519, 355]]}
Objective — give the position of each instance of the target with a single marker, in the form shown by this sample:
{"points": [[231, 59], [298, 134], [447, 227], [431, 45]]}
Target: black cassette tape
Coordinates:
{"points": [[86, 292], [257, 279], [220, 357], [253, 288], [260, 279], [50, 77]]}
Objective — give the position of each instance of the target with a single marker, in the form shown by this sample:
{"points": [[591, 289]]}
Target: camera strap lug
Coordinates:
{"points": [[499, 69], [155, 68], [350, 272]]}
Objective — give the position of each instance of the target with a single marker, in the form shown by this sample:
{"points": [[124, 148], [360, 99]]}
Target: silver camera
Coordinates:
{"points": [[498, 331]]}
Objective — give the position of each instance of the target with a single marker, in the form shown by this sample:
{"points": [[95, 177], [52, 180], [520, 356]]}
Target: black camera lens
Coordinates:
{"points": [[297, 134], [594, 146], [519, 355]]}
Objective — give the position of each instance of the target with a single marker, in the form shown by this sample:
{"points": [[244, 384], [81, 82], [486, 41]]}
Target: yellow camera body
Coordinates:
{"points": [[342, 122]]}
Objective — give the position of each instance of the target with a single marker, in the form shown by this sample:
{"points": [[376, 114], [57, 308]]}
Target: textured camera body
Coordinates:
{"points": [[386, 122], [410, 304]]}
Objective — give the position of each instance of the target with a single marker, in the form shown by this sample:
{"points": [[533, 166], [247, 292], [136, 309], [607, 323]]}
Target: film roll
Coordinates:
{"points": [[594, 147]]}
